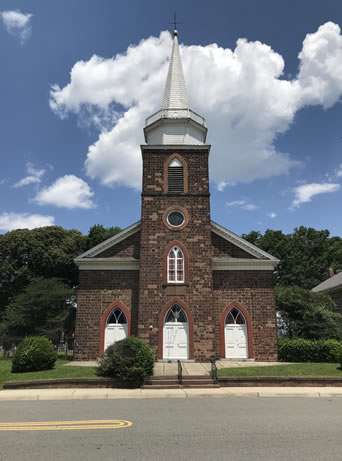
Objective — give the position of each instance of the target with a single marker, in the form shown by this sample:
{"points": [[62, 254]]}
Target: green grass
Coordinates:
{"points": [[295, 369], [59, 371]]}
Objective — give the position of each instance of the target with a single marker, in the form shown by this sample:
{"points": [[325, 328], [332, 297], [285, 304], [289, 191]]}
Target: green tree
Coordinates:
{"points": [[39, 253], [43, 308], [98, 234], [308, 315], [305, 255]]}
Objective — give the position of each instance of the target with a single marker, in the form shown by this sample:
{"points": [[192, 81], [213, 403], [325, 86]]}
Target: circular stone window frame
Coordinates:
{"points": [[181, 210]]}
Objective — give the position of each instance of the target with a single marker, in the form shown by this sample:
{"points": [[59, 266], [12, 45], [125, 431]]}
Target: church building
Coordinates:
{"points": [[187, 286]]}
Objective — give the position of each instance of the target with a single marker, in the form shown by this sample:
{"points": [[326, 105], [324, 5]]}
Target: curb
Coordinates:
{"points": [[111, 394]]}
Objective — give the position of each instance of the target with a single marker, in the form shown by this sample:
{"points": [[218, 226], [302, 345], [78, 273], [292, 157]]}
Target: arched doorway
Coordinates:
{"points": [[235, 335], [175, 334], [116, 327]]}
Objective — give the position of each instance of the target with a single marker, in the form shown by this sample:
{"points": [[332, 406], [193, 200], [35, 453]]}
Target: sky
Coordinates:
{"points": [[79, 78]]}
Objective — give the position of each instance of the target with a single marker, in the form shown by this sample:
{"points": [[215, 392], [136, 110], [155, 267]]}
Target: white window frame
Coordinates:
{"points": [[176, 250]]}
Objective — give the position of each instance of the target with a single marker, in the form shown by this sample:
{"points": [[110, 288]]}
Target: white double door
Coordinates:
{"points": [[176, 340], [115, 332], [236, 341]]}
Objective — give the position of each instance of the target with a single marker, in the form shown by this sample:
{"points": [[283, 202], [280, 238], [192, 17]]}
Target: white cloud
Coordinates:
{"points": [[34, 176], [339, 171], [12, 221], [272, 215], [247, 107], [17, 24], [305, 192], [68, 191], [242, 204]]}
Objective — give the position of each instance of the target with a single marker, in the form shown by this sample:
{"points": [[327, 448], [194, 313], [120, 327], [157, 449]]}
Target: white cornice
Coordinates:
{"points": [[110, 242], [112, 264], [241, 243], [175, 147], [242, 264]]}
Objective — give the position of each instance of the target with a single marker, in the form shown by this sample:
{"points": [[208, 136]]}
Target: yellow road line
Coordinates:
{"points": [[65, 425], [42, 423]]}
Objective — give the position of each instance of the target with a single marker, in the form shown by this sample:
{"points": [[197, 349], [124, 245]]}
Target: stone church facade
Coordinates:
{"points": [[187, 286]]}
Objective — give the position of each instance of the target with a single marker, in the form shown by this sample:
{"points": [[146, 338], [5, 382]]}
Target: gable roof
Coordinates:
{"points": [[241, 243], [125, 233], [216, 228], [332, 283]]}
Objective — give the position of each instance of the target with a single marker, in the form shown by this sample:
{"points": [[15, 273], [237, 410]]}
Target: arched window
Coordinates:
{"points": [[175, 176], [176, 314], [175, 265], [116, 316], [235, 317]]}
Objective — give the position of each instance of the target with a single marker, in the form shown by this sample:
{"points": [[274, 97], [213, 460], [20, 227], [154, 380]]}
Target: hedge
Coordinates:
{"points": [[305, 350]]}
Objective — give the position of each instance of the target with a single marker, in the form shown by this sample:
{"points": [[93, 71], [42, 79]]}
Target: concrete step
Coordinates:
{"points": [[201, 386], [161, 386]]}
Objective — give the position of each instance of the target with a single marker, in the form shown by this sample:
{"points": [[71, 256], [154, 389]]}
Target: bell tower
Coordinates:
{"points": [[175, 247]]}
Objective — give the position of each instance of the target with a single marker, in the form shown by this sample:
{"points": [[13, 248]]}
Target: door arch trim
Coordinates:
{"points": [[175, 300], [104, 317], [249, 328]]}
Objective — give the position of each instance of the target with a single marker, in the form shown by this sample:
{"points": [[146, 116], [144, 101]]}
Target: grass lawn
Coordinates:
{"points": [[295, 369], [60, 371]]}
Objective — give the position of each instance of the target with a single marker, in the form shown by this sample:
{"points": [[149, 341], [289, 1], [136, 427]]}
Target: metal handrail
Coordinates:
{"points": [[180, 372], [214, 370]]}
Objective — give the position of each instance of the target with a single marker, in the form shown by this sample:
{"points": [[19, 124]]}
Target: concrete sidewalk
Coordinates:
{"points": [[189, 368], [92, 394]]}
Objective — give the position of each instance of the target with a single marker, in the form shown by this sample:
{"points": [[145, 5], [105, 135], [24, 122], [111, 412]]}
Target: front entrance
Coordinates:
{"points": [[116, 327], [235, 335], [175, 334]]}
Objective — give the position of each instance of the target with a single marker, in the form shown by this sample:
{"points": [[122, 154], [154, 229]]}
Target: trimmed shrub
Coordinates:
{"points": [[304, 350], [34, 354], [129, 359]]}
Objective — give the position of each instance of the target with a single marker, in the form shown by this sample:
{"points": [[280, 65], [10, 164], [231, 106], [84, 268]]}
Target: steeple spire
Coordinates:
{"points": [[175, 96], [175, 123]]}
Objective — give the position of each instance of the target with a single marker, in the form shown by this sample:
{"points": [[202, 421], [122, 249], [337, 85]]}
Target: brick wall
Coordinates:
{"points": [[127, 247], [222, 248], [196, 237], [254, 290], [97, 290]]}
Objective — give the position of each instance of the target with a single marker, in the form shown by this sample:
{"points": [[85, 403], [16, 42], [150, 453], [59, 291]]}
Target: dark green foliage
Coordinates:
{"points": [[98, 234], [44, 252], [34, 354], [307, 314], [304, 350], [45, 307], [305, 255], [129, 359]]}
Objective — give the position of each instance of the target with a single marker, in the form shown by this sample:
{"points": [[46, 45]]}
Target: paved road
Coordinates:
{"points": [[221, 428]]}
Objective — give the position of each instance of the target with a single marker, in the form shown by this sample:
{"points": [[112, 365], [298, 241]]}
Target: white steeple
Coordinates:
{"points": [[175, 91], [175, 123]]}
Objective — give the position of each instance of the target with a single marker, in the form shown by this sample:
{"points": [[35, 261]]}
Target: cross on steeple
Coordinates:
{"points": [[175, 23]]}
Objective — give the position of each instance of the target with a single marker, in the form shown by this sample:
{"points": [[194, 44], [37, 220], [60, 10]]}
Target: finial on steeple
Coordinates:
{"points": [[175, 31]]}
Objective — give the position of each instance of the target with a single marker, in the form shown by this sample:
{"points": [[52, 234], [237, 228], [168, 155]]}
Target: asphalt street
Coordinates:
{"points": [[207, 428]]}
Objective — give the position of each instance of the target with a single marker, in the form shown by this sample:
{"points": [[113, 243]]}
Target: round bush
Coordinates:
{"points": [[34, 354], [129, 359]]}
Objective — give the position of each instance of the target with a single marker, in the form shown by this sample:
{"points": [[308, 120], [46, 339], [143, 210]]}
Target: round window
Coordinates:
{"points": [[175, 218]]}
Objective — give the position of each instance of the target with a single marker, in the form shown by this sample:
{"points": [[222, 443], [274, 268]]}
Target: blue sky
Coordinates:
{"points": [[78, 79]]}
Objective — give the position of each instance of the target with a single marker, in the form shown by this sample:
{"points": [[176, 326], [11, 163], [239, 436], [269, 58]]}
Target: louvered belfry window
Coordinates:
{"points": [[175, 176]]}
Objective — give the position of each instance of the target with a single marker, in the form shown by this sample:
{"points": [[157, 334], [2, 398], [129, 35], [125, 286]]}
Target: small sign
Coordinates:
{"points": [[201, 329]]}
